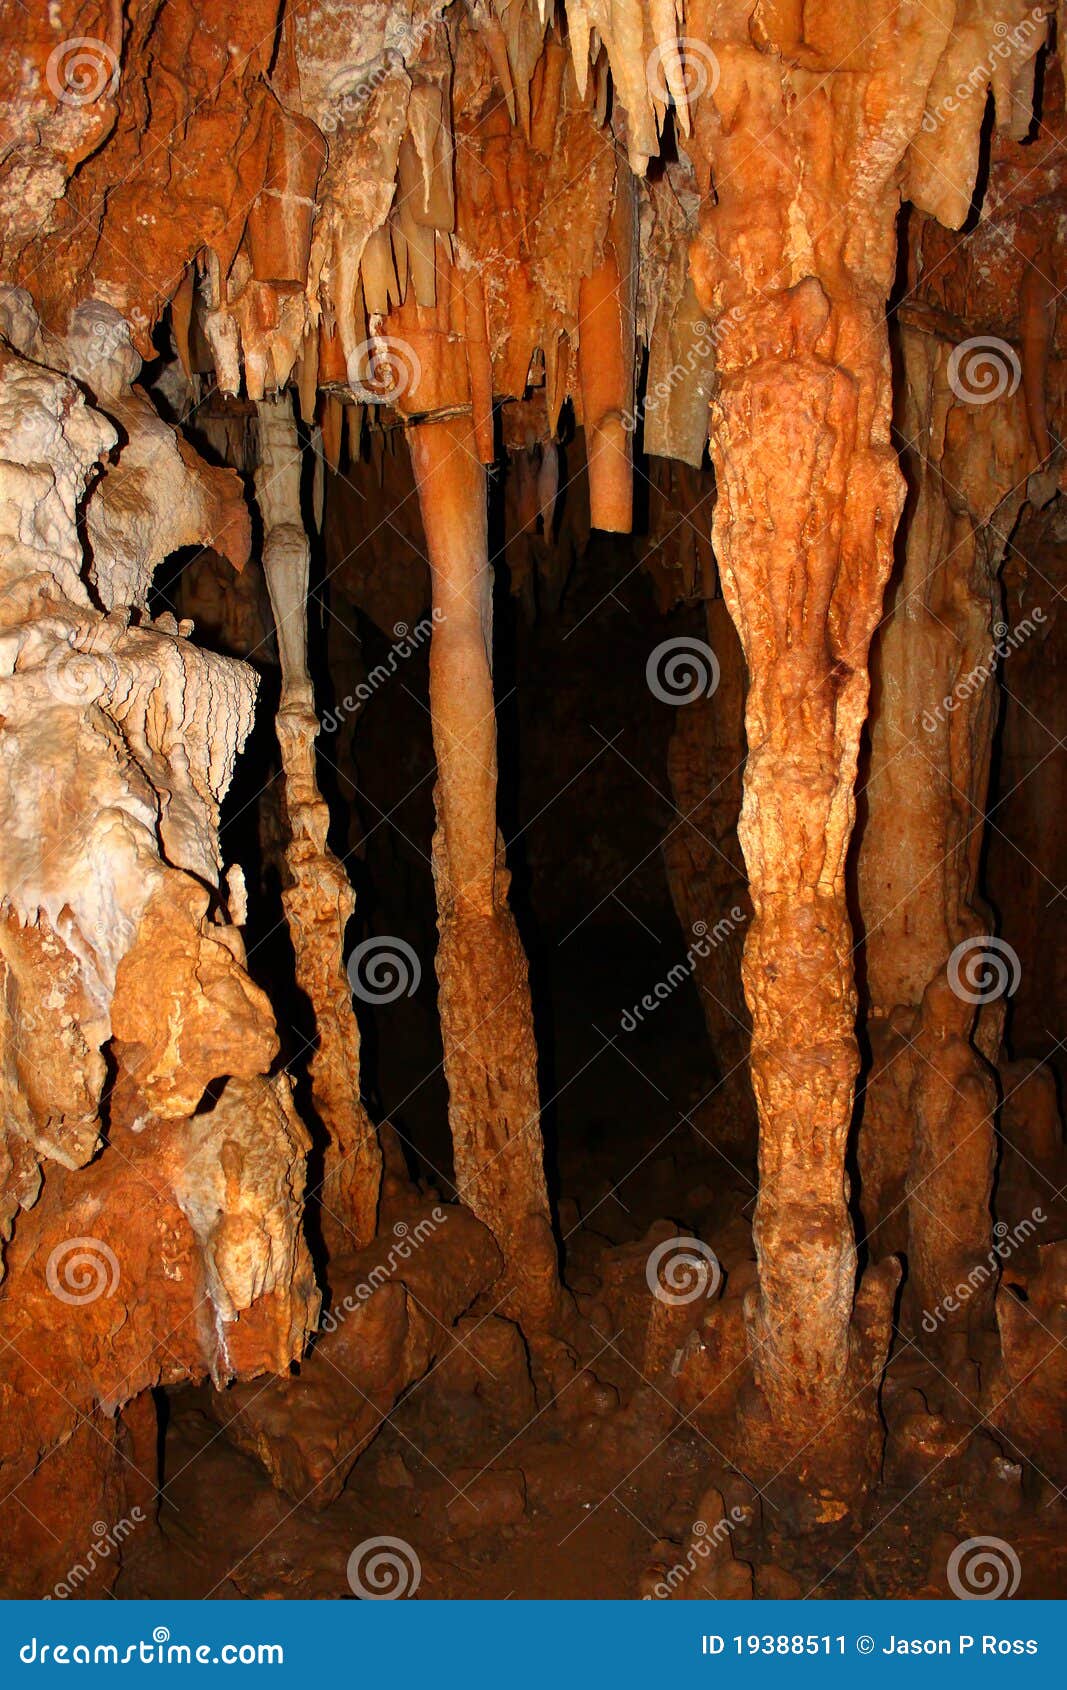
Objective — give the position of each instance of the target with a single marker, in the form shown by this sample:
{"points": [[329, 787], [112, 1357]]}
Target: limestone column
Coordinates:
{"points": [[792, 265], [319, 899], [935, 968], [484, 999]]}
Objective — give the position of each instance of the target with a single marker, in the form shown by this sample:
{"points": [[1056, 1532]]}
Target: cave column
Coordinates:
{"points": [[937, 974], [490, 1055], [792, 265], [808, 499], [318, 900]]}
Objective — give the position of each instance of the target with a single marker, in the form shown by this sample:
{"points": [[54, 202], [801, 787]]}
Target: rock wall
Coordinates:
{"points": [[441, 220], [136, 1049]]}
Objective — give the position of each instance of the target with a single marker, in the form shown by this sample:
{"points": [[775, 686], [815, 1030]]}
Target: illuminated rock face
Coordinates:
{"points": [[345, 227], [153, 1225]]}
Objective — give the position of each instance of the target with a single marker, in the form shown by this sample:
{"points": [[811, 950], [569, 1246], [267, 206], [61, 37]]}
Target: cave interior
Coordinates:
{"points": [[533, 544]]}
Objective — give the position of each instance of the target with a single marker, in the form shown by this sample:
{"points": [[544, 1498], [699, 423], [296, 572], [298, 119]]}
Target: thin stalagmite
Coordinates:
{"points": [[484, 997], [319, 899]]}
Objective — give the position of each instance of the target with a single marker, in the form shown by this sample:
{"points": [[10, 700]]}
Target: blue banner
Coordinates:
{"points": [[542, 1644]]}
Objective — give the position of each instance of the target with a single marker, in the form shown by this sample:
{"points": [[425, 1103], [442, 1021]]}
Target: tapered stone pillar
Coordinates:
{"points": [[486, 1018], [318, 900], [803, 139]]}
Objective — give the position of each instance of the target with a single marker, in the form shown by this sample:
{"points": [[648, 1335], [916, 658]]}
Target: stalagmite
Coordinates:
{"points": [[486, 1019], [319, 899], [934, 960], [809, 495]]}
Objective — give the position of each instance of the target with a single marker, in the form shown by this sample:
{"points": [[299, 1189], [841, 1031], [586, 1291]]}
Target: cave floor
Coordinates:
{"points": [[603, 1505], [610, 1491]]}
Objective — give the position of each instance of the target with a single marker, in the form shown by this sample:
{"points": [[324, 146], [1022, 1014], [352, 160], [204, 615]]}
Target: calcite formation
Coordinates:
{"points": [[137, 1048], [319, 900], [486, 1019], [372, 312]]}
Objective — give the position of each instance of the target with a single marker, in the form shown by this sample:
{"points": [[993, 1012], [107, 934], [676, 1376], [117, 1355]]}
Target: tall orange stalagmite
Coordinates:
{"points": [[794, 261], [486, 1017]]}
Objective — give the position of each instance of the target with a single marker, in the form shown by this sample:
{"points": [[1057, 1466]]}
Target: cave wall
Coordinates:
{"points": [[500, 229]]}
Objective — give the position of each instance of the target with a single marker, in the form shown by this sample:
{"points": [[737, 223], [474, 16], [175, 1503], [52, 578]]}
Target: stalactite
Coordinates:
{"points": [[486, 1018], [606, 352], [319, 899]]}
